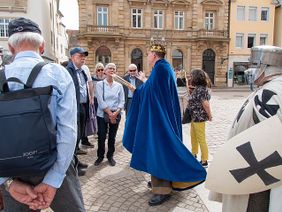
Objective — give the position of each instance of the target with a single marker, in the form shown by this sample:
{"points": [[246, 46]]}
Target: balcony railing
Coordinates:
{"points": [[203, 33], [103, 29], [149, 33]]}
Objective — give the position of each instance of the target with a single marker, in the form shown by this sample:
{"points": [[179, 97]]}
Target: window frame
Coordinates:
{"points": [[159, 17], [177, 20], [244, 13], [101, 14], [253, 35], [253, 8], [138, 16], [4, 27], [242, 40], [265, 36], [267, 15], [209, 20]]}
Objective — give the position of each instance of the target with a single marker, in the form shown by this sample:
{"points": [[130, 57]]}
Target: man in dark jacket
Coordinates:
{"points": [[131, 78], [77, 60]]}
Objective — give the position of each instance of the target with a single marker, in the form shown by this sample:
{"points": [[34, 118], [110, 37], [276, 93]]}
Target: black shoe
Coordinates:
{"points": [[81, 152], [195, 156], [81, 172], [158, 199], [149, 184], [98, 161], [86, 144], [81, 165], [204, 164], [112, 162]]}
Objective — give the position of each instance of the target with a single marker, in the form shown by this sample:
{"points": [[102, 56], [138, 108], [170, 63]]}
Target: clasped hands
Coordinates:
{"points": [[36, 197], [113, 117]]}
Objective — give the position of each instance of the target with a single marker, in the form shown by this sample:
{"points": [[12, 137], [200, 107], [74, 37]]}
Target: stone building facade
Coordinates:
{"points": [[195, 33], [46, 13]]}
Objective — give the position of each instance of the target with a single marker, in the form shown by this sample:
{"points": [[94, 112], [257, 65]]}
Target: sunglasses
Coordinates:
{"points": [[100, 70], [132, 70]]}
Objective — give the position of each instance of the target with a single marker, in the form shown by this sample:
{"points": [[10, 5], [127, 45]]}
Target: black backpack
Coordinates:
{"points": [[27, 133]]}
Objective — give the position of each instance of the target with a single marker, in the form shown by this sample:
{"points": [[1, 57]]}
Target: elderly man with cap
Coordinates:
{"points": [[80, 79], [132, 79], [266, 101], [153, 133], [59, 188]]}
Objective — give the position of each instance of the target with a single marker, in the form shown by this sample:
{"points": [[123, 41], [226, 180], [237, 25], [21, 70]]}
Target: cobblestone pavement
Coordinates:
{"points": [[121, 188]]}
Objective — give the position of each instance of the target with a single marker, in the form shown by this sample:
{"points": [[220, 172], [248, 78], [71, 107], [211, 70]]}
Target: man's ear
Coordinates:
{"points": [[41, 48], [12, 49]]}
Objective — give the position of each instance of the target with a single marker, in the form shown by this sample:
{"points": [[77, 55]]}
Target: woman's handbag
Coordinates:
{"points": [[91, 122], [186, 116]]}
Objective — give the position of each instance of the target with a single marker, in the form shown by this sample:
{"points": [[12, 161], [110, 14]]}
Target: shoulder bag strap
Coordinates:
{"points": [[3, 85], [34, 72], [103, 90]]}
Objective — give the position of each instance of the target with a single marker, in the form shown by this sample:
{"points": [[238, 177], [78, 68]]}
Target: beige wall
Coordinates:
{"points": [[278, 27], [254, 27], [239, 57]]}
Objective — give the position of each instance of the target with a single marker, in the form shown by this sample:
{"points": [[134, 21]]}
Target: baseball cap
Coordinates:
{"points": [[23, 25], [78, 50]]}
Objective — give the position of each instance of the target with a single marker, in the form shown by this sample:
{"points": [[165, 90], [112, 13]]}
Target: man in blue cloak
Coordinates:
{"points": [[153, 133]]}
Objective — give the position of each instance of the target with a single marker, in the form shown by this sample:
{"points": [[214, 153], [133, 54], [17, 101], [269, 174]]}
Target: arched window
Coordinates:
{"points": [[137, 58], [103, 55], [177, 59], [209, 63]]}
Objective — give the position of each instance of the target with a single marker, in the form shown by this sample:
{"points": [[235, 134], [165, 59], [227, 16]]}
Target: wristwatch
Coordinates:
{"points": [[8, 183]]}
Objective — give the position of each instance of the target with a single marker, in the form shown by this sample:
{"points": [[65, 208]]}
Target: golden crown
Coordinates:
{"points": [[157, 48]]}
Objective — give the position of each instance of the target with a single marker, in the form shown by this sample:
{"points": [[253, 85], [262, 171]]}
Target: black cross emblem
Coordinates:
{"points": [[256, 167], [264, 108]]}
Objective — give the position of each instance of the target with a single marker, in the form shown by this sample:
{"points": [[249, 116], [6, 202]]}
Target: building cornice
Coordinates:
{"points": [[212, 2], [13, 9]]}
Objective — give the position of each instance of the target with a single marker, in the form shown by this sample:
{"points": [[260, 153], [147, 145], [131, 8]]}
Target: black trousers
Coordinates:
{"points": [[104, 129], [81, 122]]}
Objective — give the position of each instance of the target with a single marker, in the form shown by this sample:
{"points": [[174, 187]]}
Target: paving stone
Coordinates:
{"points": [[124, 189]]}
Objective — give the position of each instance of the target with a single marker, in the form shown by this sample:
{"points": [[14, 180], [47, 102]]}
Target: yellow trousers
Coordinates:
{"points": [[198, 137]]}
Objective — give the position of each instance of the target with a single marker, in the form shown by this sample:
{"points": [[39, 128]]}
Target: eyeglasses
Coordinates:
{"points": [[100, 70], [132, 70]]}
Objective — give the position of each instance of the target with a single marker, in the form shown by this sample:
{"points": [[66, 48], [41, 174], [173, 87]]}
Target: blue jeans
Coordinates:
{"points": [[68, 197]]}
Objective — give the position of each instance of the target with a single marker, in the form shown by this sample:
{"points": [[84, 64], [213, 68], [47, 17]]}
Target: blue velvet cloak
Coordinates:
{"points": [[153, 130]]}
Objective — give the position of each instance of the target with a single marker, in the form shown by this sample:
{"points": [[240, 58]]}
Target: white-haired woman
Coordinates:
{"points": [[99, 76], [110, 96]]}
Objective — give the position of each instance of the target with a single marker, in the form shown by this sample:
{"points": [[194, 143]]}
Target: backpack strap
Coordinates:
{"points": [[3, 85], [33, 74]]}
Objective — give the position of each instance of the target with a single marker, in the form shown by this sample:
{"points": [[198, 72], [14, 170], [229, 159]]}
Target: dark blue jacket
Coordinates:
{"points": [[71, 69]]}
